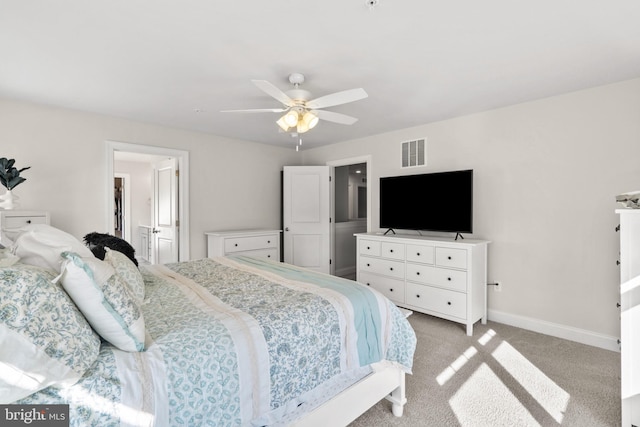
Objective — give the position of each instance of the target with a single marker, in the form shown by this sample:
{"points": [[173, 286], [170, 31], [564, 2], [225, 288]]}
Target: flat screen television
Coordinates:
{"points": [[441, 201]]}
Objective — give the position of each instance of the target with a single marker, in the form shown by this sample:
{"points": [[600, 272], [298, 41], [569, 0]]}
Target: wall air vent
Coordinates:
{"points": [[414, 153]]}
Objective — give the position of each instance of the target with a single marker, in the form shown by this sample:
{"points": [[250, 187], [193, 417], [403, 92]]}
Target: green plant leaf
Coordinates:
{"points": [[10, 175]]}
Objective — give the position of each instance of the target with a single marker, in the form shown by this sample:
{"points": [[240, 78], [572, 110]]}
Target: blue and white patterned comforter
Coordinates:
{"points": [[238, 342]]}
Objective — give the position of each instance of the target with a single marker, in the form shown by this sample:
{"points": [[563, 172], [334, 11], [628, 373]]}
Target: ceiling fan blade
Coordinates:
{"points": [[257, 110], [337, 98], [273, 91], [330, 116]]}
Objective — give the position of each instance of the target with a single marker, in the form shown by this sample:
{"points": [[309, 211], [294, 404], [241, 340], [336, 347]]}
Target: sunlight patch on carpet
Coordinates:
{"points": [[484, 339], [483, 400], [456, 365], [549, 395]]}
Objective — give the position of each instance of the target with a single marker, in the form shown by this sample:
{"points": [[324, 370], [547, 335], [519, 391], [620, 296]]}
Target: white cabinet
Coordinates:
{"points": [[255, 243], [441, 277], [145, 233], [630, 315], [16, 219]]}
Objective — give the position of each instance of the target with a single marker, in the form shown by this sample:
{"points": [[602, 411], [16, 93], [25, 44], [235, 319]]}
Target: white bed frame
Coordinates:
{"points": [[386, 381]]}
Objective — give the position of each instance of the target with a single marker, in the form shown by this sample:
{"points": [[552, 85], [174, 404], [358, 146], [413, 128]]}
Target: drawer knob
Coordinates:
{"points": [[418, 254], [448, 302], [28, 221], [368, 247], [418, 296], [417, 273], [368, 284], [268, 241], [391, 290], [368, 265], [449, 278], [268, 256], [391, 268], [236, 245], [391, 250], [448, 257], [618, 262]]}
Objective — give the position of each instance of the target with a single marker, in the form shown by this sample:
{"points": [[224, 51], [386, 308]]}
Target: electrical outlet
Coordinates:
{"points": [[498, 287]]}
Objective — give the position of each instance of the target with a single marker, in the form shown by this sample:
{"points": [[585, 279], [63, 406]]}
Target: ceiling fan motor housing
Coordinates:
{"points": [[300, 95]]}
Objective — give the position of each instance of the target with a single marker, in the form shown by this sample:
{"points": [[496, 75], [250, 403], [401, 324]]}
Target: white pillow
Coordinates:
{"points": [[45, 339], [105, 300], [127, 271], [42, 244]]}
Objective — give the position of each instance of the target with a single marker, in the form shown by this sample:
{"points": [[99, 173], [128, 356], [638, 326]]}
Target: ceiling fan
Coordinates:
{"points": [[301, 113]]}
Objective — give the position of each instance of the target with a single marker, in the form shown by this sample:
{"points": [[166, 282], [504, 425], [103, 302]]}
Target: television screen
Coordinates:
{"points": [[440, 201]]}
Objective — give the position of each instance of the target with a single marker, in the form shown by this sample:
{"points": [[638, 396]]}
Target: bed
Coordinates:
{"points": [[230, 341]]}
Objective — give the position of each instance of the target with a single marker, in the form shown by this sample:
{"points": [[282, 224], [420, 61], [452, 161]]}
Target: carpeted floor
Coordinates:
{"points": [[503, 376]]}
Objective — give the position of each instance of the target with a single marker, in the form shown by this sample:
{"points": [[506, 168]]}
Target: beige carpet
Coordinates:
{"points": [[503, 376]]}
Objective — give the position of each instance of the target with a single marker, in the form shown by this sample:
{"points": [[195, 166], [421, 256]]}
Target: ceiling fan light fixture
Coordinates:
{"points": [[302, 127], [283, 125], [291, 118], [310, 119]]}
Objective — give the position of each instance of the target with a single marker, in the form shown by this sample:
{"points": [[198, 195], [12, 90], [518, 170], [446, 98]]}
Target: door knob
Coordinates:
{"points": [[286, 229]]}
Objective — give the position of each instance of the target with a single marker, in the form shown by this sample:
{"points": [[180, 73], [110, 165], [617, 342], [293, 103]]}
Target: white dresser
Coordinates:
{"points": [[630, 315], [145, 233], [255, 243], [16, 219], [440, 277]]}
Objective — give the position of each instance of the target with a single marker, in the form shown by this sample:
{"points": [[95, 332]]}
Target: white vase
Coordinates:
{"points": [[9, 201]]}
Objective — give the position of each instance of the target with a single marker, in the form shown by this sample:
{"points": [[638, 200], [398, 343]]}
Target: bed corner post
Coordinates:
{"points": [[397, 397]]}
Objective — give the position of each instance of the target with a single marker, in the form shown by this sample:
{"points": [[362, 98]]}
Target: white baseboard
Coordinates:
{"points": [[556, 330]]}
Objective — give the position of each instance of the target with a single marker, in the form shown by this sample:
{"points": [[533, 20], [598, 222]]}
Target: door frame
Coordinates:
{"points": [[346, 162], [332, 232], [182, 157]]}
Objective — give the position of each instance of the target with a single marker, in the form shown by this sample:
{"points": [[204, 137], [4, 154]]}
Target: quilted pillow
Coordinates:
{"points": [[42, 244], [127, 272], [105, 300], [45, 339]]}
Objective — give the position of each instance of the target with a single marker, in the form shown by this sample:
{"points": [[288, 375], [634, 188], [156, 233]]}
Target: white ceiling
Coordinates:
{"points": [[420, 61]]}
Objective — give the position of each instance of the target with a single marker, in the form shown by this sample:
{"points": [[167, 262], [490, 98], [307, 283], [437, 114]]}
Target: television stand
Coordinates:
{"points": [[431, 275], [461, 237], [389, 230]]}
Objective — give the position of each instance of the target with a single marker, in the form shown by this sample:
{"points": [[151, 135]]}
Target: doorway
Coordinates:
{"points": [[351, 210], [141, 224], [122, 208]]}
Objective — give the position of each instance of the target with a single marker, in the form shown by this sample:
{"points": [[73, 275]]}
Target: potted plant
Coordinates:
{"points": [[10, 178]]}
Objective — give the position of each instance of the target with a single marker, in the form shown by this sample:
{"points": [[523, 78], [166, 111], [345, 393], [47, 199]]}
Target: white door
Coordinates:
{"points": [[306, 199], [165, 212]]}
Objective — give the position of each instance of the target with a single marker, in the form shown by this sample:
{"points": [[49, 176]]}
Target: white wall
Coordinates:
{"points": [[546, 176], [233, 184]]}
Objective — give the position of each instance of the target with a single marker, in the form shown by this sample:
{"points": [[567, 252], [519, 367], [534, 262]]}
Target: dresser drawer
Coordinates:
{"points": [[10, 222], [237, 244], [441, 277], [369, 247], [422, 254], [392, 250], [443, 301], [390, 288], [454, 258], [382, 266], [260, 253]]}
